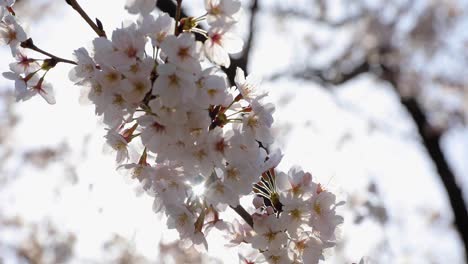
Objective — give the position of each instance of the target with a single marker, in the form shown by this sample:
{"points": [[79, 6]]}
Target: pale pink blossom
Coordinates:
{"points": [[174, 86], [140, 6], [212, 88], [313, 251], [220, 43], [7, 3], [258, 122], [182, 52], [129, 45], [24, 64], [27, 87], [295, 214], [278, 256], [135, 89], [248, 87], [157, 29], [270, 233], [142, 68], [297, 182], [86, 68], [155, 133], [221, 12], [180, 218], [172, 115], [189, 127], [22, 93], [323, 217], [119, 145], [11, 33], [219, 193]]}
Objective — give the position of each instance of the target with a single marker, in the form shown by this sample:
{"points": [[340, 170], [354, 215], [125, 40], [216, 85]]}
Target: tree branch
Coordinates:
{"points": [[29, 44], [243, 60], [431, 142], [430, 137], [244, 214], [97, 27]]}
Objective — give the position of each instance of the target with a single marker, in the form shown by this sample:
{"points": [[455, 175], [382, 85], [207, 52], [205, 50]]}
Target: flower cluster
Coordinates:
{"points": [[295, 219], [25, 71], [191, 140]]}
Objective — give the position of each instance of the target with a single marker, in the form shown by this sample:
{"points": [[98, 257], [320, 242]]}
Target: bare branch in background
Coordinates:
{"points": [[387, 61], [243, 60], [384, 61], [431, 142]]}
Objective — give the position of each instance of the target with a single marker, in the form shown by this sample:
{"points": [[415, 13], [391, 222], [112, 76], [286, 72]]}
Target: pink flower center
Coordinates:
{"points": [[216, 38]]}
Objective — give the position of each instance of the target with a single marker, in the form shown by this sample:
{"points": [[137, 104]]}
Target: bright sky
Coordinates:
{"points": [[310, 124]]}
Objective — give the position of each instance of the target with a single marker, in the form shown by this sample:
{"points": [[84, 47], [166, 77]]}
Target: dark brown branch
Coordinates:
{"points": [[304, 14], [29, 44], [243, 60], [97, 27], [431, 142], [244, 214], [430, 137], [177, 16], [328, 76]]}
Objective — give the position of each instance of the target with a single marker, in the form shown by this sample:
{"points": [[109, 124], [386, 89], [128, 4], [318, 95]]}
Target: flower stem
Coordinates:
{"points": [[244, 214], [97, 28], [29, 44], [177, 17]]}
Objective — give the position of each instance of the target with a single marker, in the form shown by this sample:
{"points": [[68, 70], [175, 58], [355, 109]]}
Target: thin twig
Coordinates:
{"points": [[99, 31], [29, 44]]}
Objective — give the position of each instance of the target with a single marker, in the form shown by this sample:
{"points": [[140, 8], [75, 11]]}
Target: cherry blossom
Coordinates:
{"points": [[174, 86], [182, 52], [157, 29], [203, 144], [220, 44], [248, 87], [258, 122], [86, 68], [22, 92], [128, 46], [7, 3], [23, 63], [212, 88], [118, 143], [323, 214], [270, 234], [45, 90], [181, 219], [11, 33], [140, 6], [221, 12]]}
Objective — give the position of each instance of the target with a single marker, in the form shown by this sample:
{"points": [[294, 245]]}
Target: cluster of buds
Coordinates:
{"points": [[190, 139]]}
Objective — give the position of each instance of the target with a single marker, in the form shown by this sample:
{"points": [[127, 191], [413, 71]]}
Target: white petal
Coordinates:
{"points": [[47, 93]]}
